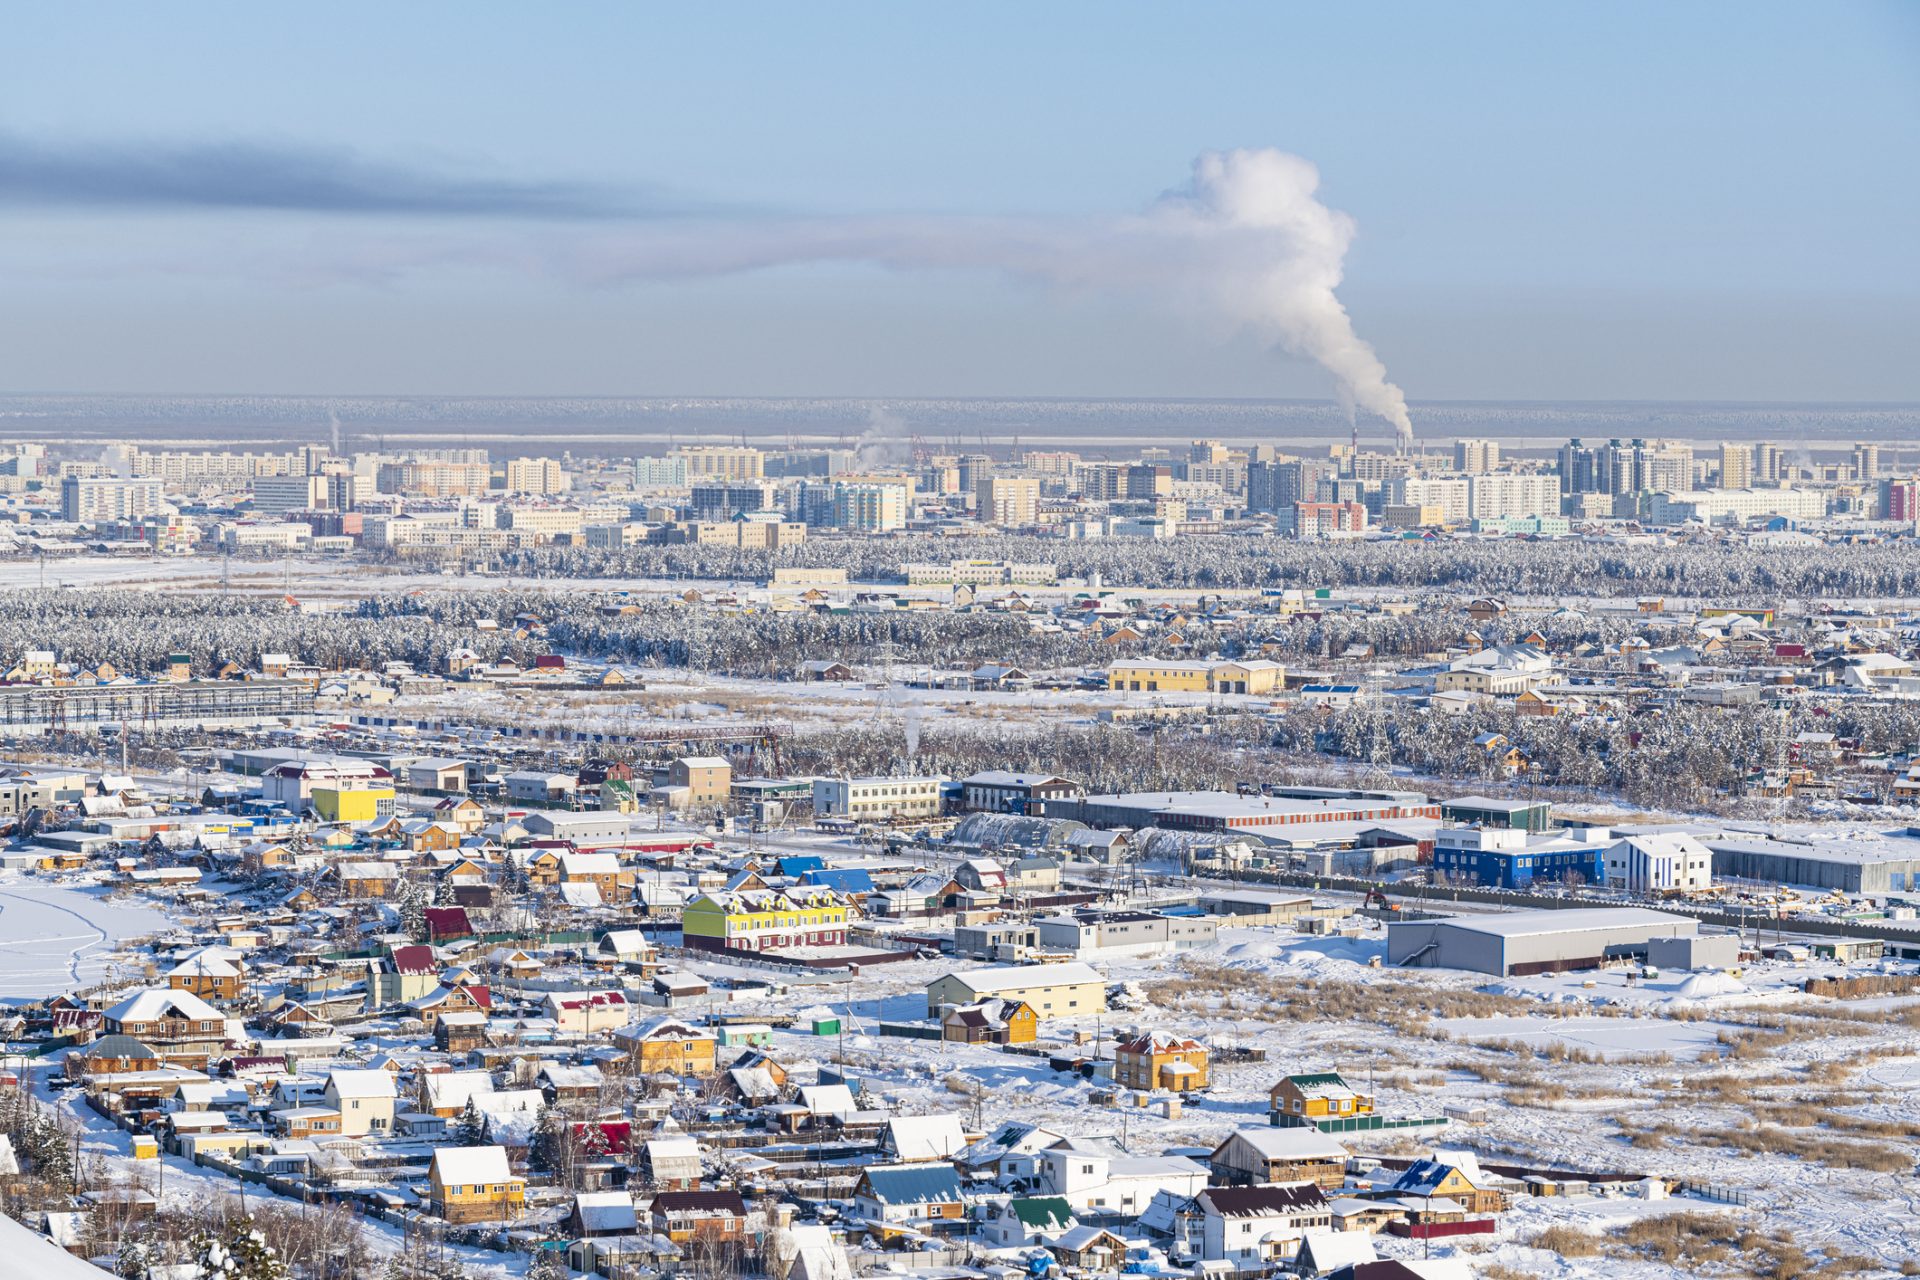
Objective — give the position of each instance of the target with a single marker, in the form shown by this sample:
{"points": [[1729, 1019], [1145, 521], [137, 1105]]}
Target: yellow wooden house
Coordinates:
{"points": [[1321, 1095], [1158, 1061], [474, 1184], [668, 1045]]}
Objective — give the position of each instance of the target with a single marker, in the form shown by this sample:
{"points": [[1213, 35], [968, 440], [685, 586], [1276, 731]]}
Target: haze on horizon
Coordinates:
{"points": [[1509, 202]]}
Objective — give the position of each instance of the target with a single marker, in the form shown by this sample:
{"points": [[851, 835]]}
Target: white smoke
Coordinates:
{"points": [[333, 421], [1245, 241], [884, 444], [1271, 256]]}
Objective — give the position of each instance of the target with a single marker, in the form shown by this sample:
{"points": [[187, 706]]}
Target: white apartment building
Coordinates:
{"points": [[870, 508], [660, 473], [91, 500], [1451, 496], [541, 523], [876, 799], [538, 476], [1505, 495]]}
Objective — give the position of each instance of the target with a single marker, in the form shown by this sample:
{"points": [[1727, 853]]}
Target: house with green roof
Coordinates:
{"points": [[1024, 1221]]}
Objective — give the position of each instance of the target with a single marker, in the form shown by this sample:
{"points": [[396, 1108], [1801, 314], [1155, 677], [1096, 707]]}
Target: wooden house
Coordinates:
{"points": [[1159, 1060]]}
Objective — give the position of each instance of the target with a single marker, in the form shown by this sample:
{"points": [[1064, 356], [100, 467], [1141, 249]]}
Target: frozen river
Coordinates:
{"points": [[54, 940]]}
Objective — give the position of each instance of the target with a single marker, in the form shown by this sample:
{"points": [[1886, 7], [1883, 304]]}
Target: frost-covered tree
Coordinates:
{"points": [[133, 1258], [471, 1131], [242, 1254], [411, 902]]}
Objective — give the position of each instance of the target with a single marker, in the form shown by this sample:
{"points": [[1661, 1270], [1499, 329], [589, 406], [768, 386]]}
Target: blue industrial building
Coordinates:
{"points": [[1503, 858]]}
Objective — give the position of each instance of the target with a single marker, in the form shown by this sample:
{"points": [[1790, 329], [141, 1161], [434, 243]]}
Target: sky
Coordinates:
{"points": [[1594, 201]]}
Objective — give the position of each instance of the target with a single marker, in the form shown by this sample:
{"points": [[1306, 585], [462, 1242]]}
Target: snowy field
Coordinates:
{"points": [[57, 939], [1608, 1037]]}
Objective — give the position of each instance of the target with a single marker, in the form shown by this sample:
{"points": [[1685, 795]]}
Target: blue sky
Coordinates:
{"points": [[1601, 201]]}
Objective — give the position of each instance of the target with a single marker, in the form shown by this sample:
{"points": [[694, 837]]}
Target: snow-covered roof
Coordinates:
{"points": [[1289, 1144], [606, 1212], [1522, 924], [1014, 977], [353, 1083], [936, 1137], [469, 1166], [152, 1005], [454, 1088]]}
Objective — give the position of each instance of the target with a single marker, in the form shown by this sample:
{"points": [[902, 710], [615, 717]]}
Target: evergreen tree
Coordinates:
{"points": [[471, 1131], [245, 1255], [412, 903], [132, 1261], [46, 1147], [547, 1263]]}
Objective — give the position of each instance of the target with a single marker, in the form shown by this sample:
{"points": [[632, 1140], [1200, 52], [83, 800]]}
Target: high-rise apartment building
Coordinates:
{"points": [[1277, 486], [1450, 496], [721, 462], [539, 477], [1507, 494], [869, 507], [1013, 501], [277, 495], [714, 501], [1900, 500], [1736, 466], [1476, 457], [92, 499], [1866, 462]]}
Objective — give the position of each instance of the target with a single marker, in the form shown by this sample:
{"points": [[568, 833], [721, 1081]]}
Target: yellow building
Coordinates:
{"points": [[708, 779], [1317, 1096], [353, 804], [1156, 1061], [474, 1184], [667, 1045], [1250, 676], [1159, 676], [763, 919]]}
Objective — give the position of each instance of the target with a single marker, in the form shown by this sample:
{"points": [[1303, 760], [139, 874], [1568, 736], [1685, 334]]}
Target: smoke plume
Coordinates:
{"points": [[1245, 240], [884, 443]]}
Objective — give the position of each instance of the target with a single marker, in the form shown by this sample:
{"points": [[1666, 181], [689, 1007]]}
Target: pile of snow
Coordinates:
{"points": [[1712, 982]]}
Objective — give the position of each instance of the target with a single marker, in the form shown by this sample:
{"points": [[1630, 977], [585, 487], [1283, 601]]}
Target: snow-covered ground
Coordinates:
{"points": [[1609, 1037], [55, 939]]}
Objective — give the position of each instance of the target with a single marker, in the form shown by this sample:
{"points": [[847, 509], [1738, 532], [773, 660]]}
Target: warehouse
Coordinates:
{"points": [[1222, 811], [1052, 990], [1518, 943], [1890, 864]]}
